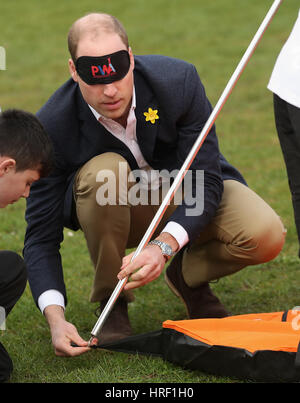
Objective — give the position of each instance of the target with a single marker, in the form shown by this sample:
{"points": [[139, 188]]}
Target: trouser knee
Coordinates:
{"points": [[275, 239], [104, 219], [102, 179], [266, 240]]}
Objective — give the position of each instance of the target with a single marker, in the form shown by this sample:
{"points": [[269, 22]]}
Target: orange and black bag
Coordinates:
{"points": [[260, 347]]}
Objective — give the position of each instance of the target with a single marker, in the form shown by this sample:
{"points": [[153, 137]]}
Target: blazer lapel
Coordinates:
{"points": [[146, 131]]}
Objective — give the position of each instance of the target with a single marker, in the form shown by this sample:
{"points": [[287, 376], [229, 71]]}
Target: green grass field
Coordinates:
{"points": [[213, 35]]}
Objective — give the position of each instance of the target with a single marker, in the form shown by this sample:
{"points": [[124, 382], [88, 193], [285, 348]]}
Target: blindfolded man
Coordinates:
{"points": [[119, 118]]}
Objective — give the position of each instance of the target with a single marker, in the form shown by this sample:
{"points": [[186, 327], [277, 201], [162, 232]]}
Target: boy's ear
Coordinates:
{"points": [[6, 165]]}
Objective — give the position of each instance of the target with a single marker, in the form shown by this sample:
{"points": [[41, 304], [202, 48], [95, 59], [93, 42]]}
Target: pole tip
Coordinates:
{"points": [[93, 341]]}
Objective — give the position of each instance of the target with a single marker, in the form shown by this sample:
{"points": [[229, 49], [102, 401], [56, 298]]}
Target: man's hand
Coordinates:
{"points": [[150, 263], [64, 333]]}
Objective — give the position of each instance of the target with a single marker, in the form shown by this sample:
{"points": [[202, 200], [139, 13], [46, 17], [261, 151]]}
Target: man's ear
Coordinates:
{"points": [[72, 70], [7, 165], [131, 58]]}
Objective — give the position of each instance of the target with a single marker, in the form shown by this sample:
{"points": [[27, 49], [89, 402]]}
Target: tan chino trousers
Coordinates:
{"points": [[245, 230]]}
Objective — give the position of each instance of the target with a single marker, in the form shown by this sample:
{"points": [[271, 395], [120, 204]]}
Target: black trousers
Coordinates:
{"points": [[13, 278], [287, 119]]}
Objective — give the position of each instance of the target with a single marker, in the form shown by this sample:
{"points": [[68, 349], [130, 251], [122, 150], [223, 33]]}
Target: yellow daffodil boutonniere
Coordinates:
{"points": [[151, 115]]}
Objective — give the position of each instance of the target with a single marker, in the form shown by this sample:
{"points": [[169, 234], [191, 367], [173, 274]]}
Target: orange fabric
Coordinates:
{"points": [[265, 331]]}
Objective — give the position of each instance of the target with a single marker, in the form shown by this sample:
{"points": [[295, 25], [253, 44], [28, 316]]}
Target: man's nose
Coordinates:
{"points": [[110, 90]]}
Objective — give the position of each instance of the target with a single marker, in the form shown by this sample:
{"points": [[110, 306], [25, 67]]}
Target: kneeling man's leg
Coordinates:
{"points": [[245, 231], [110, 225]]}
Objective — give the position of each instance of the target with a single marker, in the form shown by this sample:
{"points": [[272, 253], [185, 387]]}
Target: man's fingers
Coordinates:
{"points": [[146, 257], [79, 340], [143, 277], [79, 350], [148, 271], [135, 284], [73, 349], [127, 270], [143, 269], [68, 343], [70, 351], [126, 260]]}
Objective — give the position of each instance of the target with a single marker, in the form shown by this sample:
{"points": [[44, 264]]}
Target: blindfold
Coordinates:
{"points": [[103, 69]]}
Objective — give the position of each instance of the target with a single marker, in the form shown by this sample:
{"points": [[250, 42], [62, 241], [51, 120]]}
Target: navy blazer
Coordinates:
{"points": [[171, 86]]}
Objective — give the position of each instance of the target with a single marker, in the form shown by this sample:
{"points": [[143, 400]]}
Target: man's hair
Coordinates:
{"points": [[97, 24], [23, 138]]}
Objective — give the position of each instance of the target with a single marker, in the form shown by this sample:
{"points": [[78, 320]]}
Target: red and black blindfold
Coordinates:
{"points": [[103, 69]]}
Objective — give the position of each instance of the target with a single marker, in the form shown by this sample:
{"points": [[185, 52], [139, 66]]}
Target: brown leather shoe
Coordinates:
{"points": [[200, 301], [117, 325]]}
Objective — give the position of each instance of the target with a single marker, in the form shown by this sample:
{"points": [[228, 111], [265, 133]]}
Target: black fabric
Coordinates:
{"points": [[13, 278], [287, 118], [284, 316], [6, 365], [151, 343], [103, 69], [297, 361], [180, 349]]}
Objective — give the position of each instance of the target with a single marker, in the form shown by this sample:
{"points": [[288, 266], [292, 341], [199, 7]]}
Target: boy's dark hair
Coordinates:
{"points": [[23, 138]]}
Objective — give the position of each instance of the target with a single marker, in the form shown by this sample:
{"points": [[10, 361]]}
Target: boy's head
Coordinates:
{"points": [[26, 154]]}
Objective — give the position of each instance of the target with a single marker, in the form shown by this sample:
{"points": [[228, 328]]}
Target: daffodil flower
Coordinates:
{"points": [[151, 115]]}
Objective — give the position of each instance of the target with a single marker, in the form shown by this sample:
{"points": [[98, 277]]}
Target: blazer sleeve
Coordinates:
{"points": [[44, 234], [196, 109]]}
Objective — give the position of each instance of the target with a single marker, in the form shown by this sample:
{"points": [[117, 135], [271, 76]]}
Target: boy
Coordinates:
{"points": [[25, 156]]}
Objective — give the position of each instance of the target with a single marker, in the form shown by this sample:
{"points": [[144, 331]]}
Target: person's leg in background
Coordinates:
{"points": [[13, 278], [287, 118]]}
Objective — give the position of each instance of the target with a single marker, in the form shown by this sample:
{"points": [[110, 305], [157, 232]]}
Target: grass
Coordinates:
{"points": [[213, 36]]}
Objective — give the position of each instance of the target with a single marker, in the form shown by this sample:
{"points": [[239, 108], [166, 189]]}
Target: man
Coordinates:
{"points": [[25, 156], [143, 113]]}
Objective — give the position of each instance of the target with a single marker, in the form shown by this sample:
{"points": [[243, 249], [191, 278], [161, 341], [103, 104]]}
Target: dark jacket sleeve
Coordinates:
{"points": [[44, 234], [46, 205]]}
